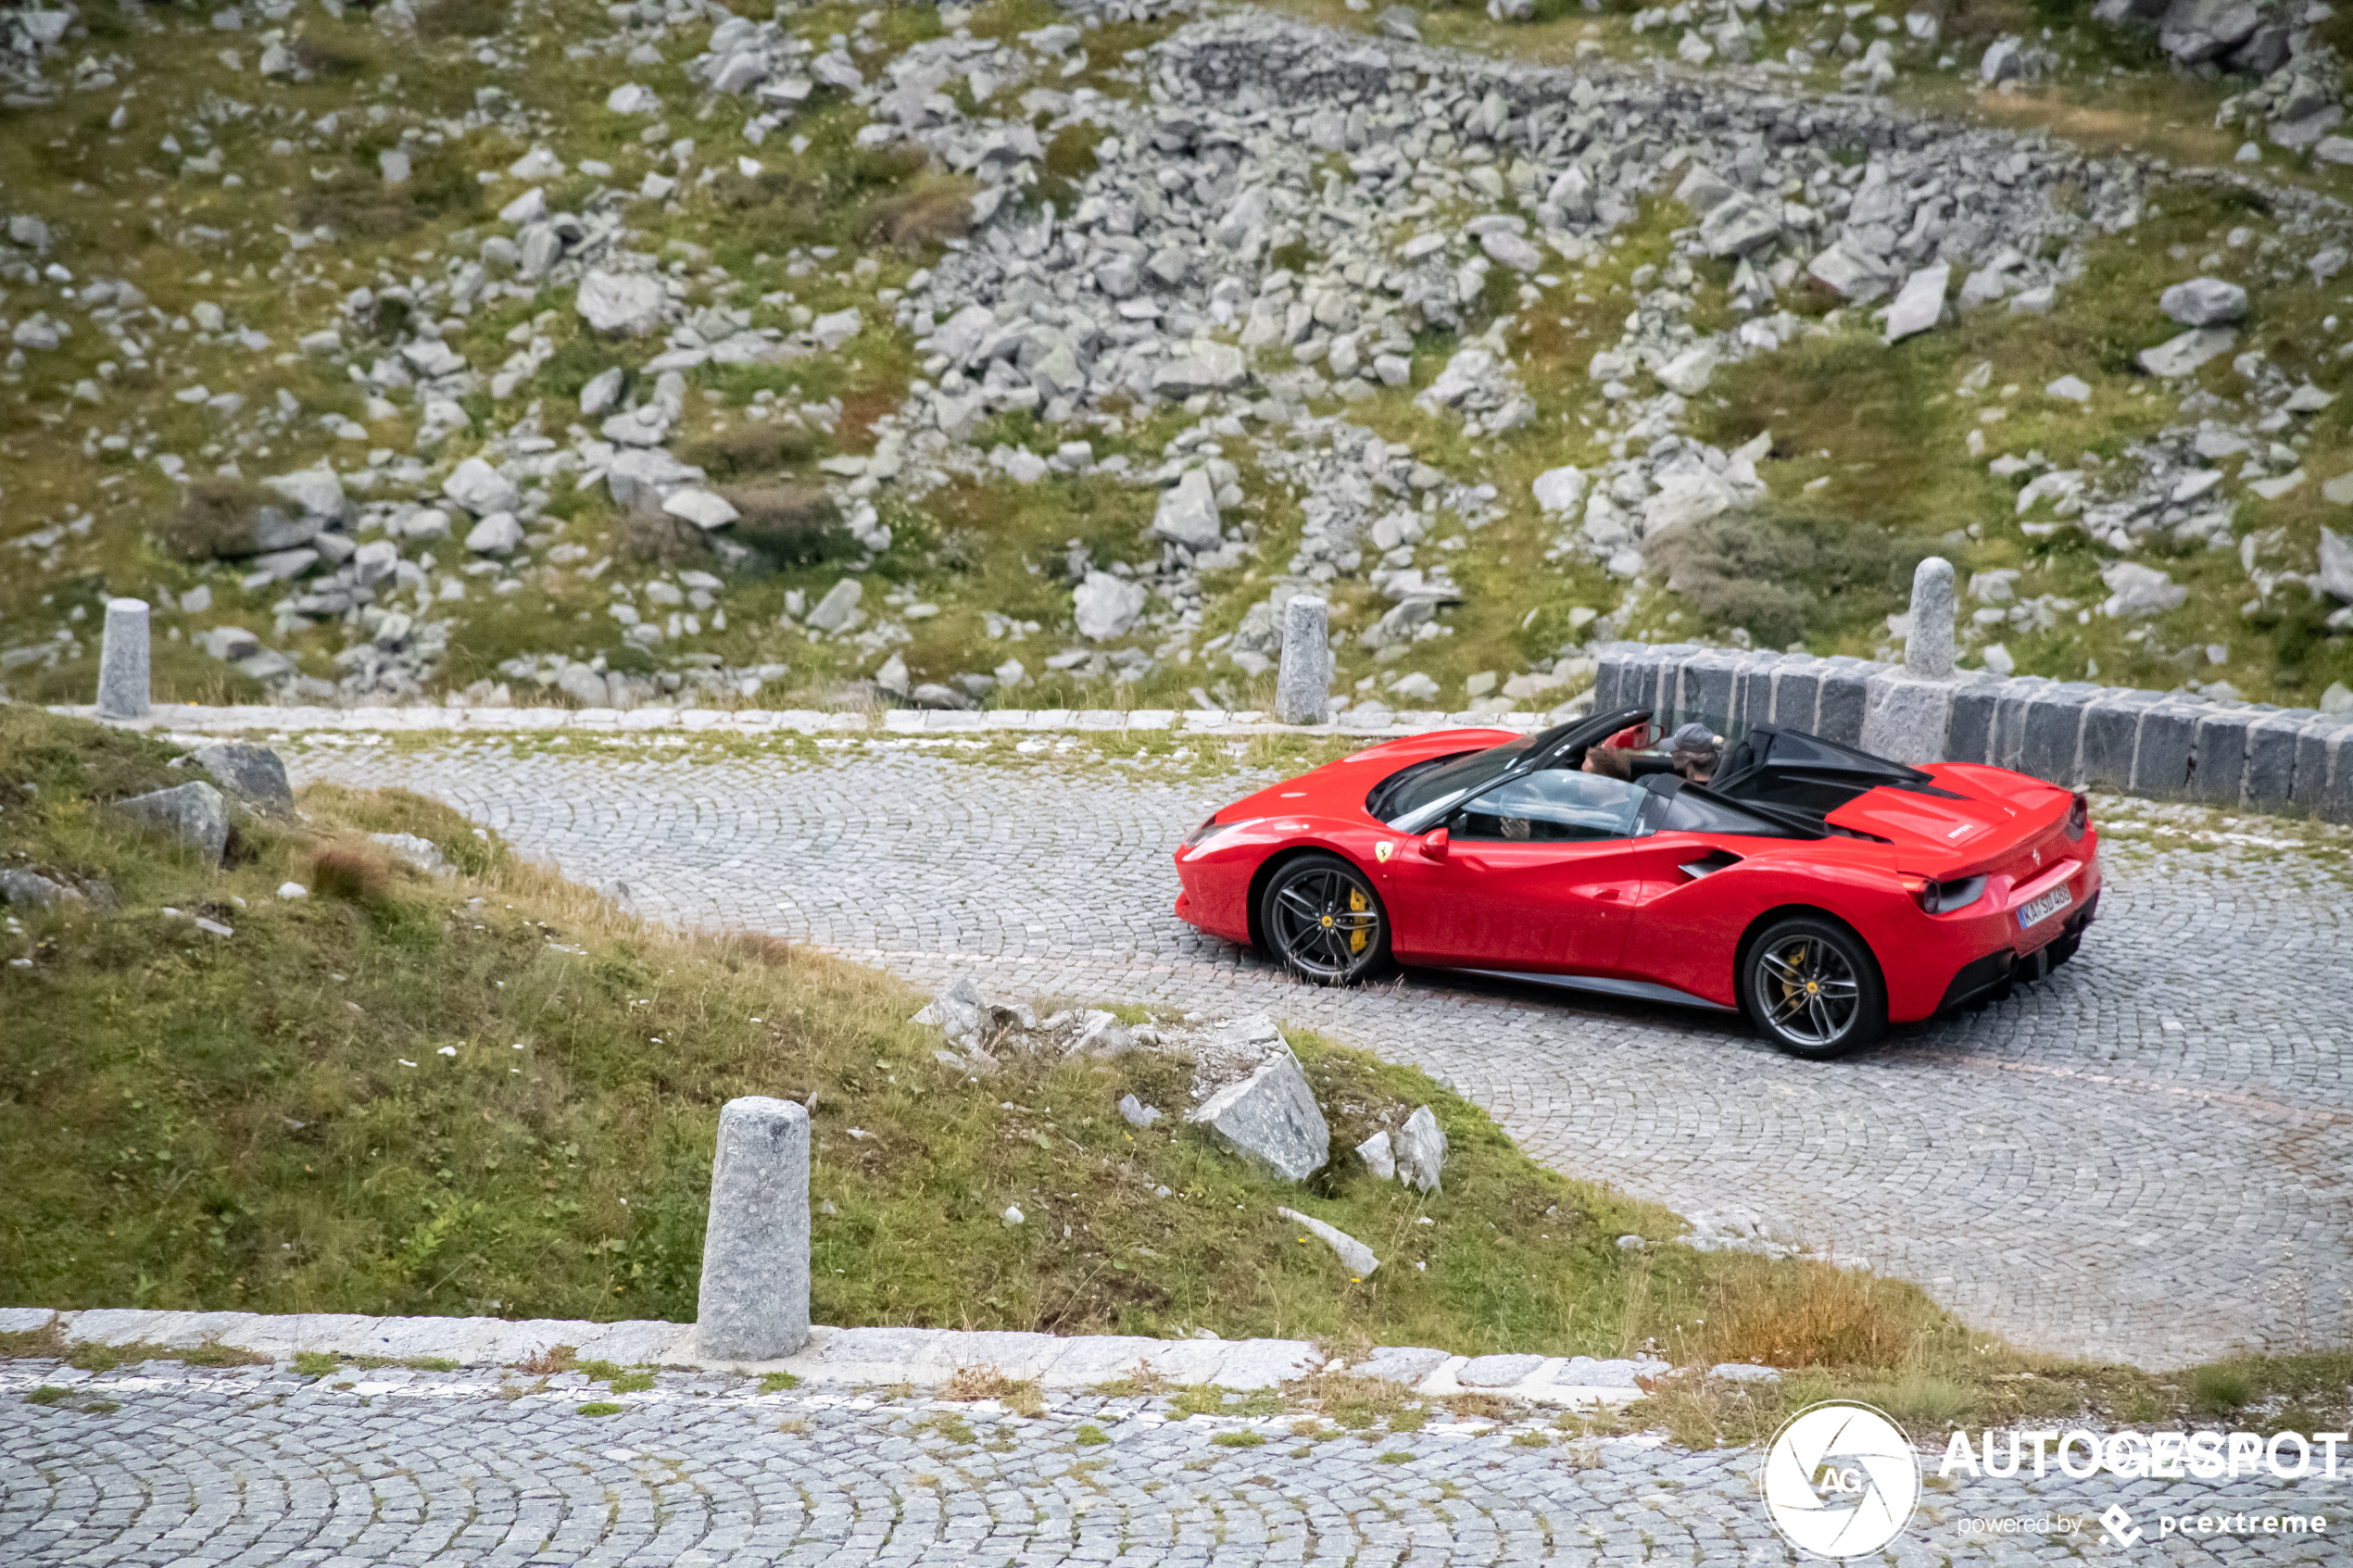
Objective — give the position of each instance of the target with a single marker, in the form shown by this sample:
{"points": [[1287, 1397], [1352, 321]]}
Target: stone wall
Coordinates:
{"points": [[2165, 746]]}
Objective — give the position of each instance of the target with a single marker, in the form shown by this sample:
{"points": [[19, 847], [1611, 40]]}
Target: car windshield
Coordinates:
{"points": [[1441, 781], [1552, 806]]}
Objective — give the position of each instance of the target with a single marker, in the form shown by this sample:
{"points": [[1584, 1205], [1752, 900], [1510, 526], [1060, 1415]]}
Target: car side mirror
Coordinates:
{"points": [[1434, 844]]}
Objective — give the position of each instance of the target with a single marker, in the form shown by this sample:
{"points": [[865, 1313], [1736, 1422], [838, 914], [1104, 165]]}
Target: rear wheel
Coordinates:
{"points": [[1324, 921], [1811, 986]]}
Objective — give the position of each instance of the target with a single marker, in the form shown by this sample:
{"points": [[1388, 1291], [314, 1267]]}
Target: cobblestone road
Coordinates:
{"points": [[163, 1464], [2148, 1158]]}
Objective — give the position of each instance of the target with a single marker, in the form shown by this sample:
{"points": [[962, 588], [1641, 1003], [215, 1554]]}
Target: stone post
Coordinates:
{"points": [[755, 1253], [1908, 713], [1927, 651], [122, 660], [1303, 682]]}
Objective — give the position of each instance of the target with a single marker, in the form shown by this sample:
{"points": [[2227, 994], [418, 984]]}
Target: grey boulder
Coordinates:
{"points": [[2336, 565], [833, 611], [252, 773], [1421, 1151], [1188, 513], [2196, 31], [958, 1010], [319, 492], [2137, 590], [2181, 354], [1354, 1255], [1204, 367], [31, 890], [621, 302], [1270, 1117], [419, 854], [481, 489], [1106, 606], [1738, 226], [196, 814], [2203, 302]]}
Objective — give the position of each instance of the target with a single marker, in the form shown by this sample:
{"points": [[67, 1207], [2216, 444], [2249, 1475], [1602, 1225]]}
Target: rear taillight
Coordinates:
{"points": [[2079, 815], [1944, 898]]}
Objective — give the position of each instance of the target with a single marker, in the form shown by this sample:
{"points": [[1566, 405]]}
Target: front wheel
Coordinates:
{"points": [[1812, 988], [1324, 921]]}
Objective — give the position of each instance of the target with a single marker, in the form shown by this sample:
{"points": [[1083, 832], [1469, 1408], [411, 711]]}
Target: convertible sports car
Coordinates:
{"points": [[1823, 891]]}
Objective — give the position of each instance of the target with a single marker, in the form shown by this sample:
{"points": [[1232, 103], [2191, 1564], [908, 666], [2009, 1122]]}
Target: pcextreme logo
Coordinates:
{"points": [[1841, 1480]]}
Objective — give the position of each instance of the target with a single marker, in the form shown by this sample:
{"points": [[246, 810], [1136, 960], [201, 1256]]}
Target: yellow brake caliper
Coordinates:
{"points": [[1358, 938]]}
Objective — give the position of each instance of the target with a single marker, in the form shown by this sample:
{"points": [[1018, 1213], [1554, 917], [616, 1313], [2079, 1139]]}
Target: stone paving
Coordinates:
{"points": [[155, 1463], [2147, 1158]]}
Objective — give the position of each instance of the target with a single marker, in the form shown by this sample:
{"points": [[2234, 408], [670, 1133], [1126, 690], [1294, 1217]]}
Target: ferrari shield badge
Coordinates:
{"points": [[1383, 850]]}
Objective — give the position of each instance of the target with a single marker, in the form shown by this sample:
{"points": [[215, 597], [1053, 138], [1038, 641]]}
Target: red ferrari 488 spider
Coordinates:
{"points": [[1823, 891]]}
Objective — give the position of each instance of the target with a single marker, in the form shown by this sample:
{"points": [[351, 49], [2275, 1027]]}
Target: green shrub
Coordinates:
{"points": [[789, 523], [2219, 1388]]}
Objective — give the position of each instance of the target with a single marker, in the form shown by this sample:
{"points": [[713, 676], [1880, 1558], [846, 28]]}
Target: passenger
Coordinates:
{"points": [[1610, 761], [1696, 752]]}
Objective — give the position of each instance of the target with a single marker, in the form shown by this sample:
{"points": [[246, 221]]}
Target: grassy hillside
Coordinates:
{"points": [[491, 1092]]}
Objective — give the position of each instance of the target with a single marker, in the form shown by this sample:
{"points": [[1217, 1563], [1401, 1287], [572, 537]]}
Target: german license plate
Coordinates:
{"points": [[2043, 909]]}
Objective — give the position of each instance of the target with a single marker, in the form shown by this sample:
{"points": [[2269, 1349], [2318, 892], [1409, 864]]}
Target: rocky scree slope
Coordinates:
{"points": [[1251, 307]]}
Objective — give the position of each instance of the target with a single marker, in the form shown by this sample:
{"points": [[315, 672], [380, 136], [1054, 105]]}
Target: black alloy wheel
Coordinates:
{"points": [[1324, 921], [1813, 988]]}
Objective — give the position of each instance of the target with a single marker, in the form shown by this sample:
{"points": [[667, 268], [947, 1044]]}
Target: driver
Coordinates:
{"points": [[1697, 751]]}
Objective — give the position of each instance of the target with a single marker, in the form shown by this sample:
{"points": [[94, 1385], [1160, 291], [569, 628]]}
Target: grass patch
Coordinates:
{"points": [[600, 1407]]}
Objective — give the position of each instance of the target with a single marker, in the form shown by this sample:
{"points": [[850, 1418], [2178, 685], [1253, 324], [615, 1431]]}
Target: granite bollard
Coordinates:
{"points": [[122, 660], [1907, 713], [755, 1254], [1304, 682], [1928, 647]]}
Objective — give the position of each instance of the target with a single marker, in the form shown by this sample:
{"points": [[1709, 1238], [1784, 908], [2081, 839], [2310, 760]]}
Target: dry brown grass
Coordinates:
{"points": [[1348, 1399], [752, 448], [786, 209], [967, 1383], [1809, 1315], [460, 18], [936, 209], [548, 1362], [787, 522], [216, 518], [358, 204], [321, 58], [649, 535], [350, 873]]}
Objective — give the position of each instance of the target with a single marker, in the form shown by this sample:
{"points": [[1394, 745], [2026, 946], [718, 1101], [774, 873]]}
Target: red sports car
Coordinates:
{"points": [[1823, 891]]}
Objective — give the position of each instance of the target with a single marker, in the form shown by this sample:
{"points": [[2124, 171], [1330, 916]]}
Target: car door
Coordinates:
{"points": [[1694, 883], [1532, 875]]}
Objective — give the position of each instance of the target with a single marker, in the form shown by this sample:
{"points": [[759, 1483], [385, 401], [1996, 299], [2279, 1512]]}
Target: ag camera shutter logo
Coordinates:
{"points": [[1841, 1480]]}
